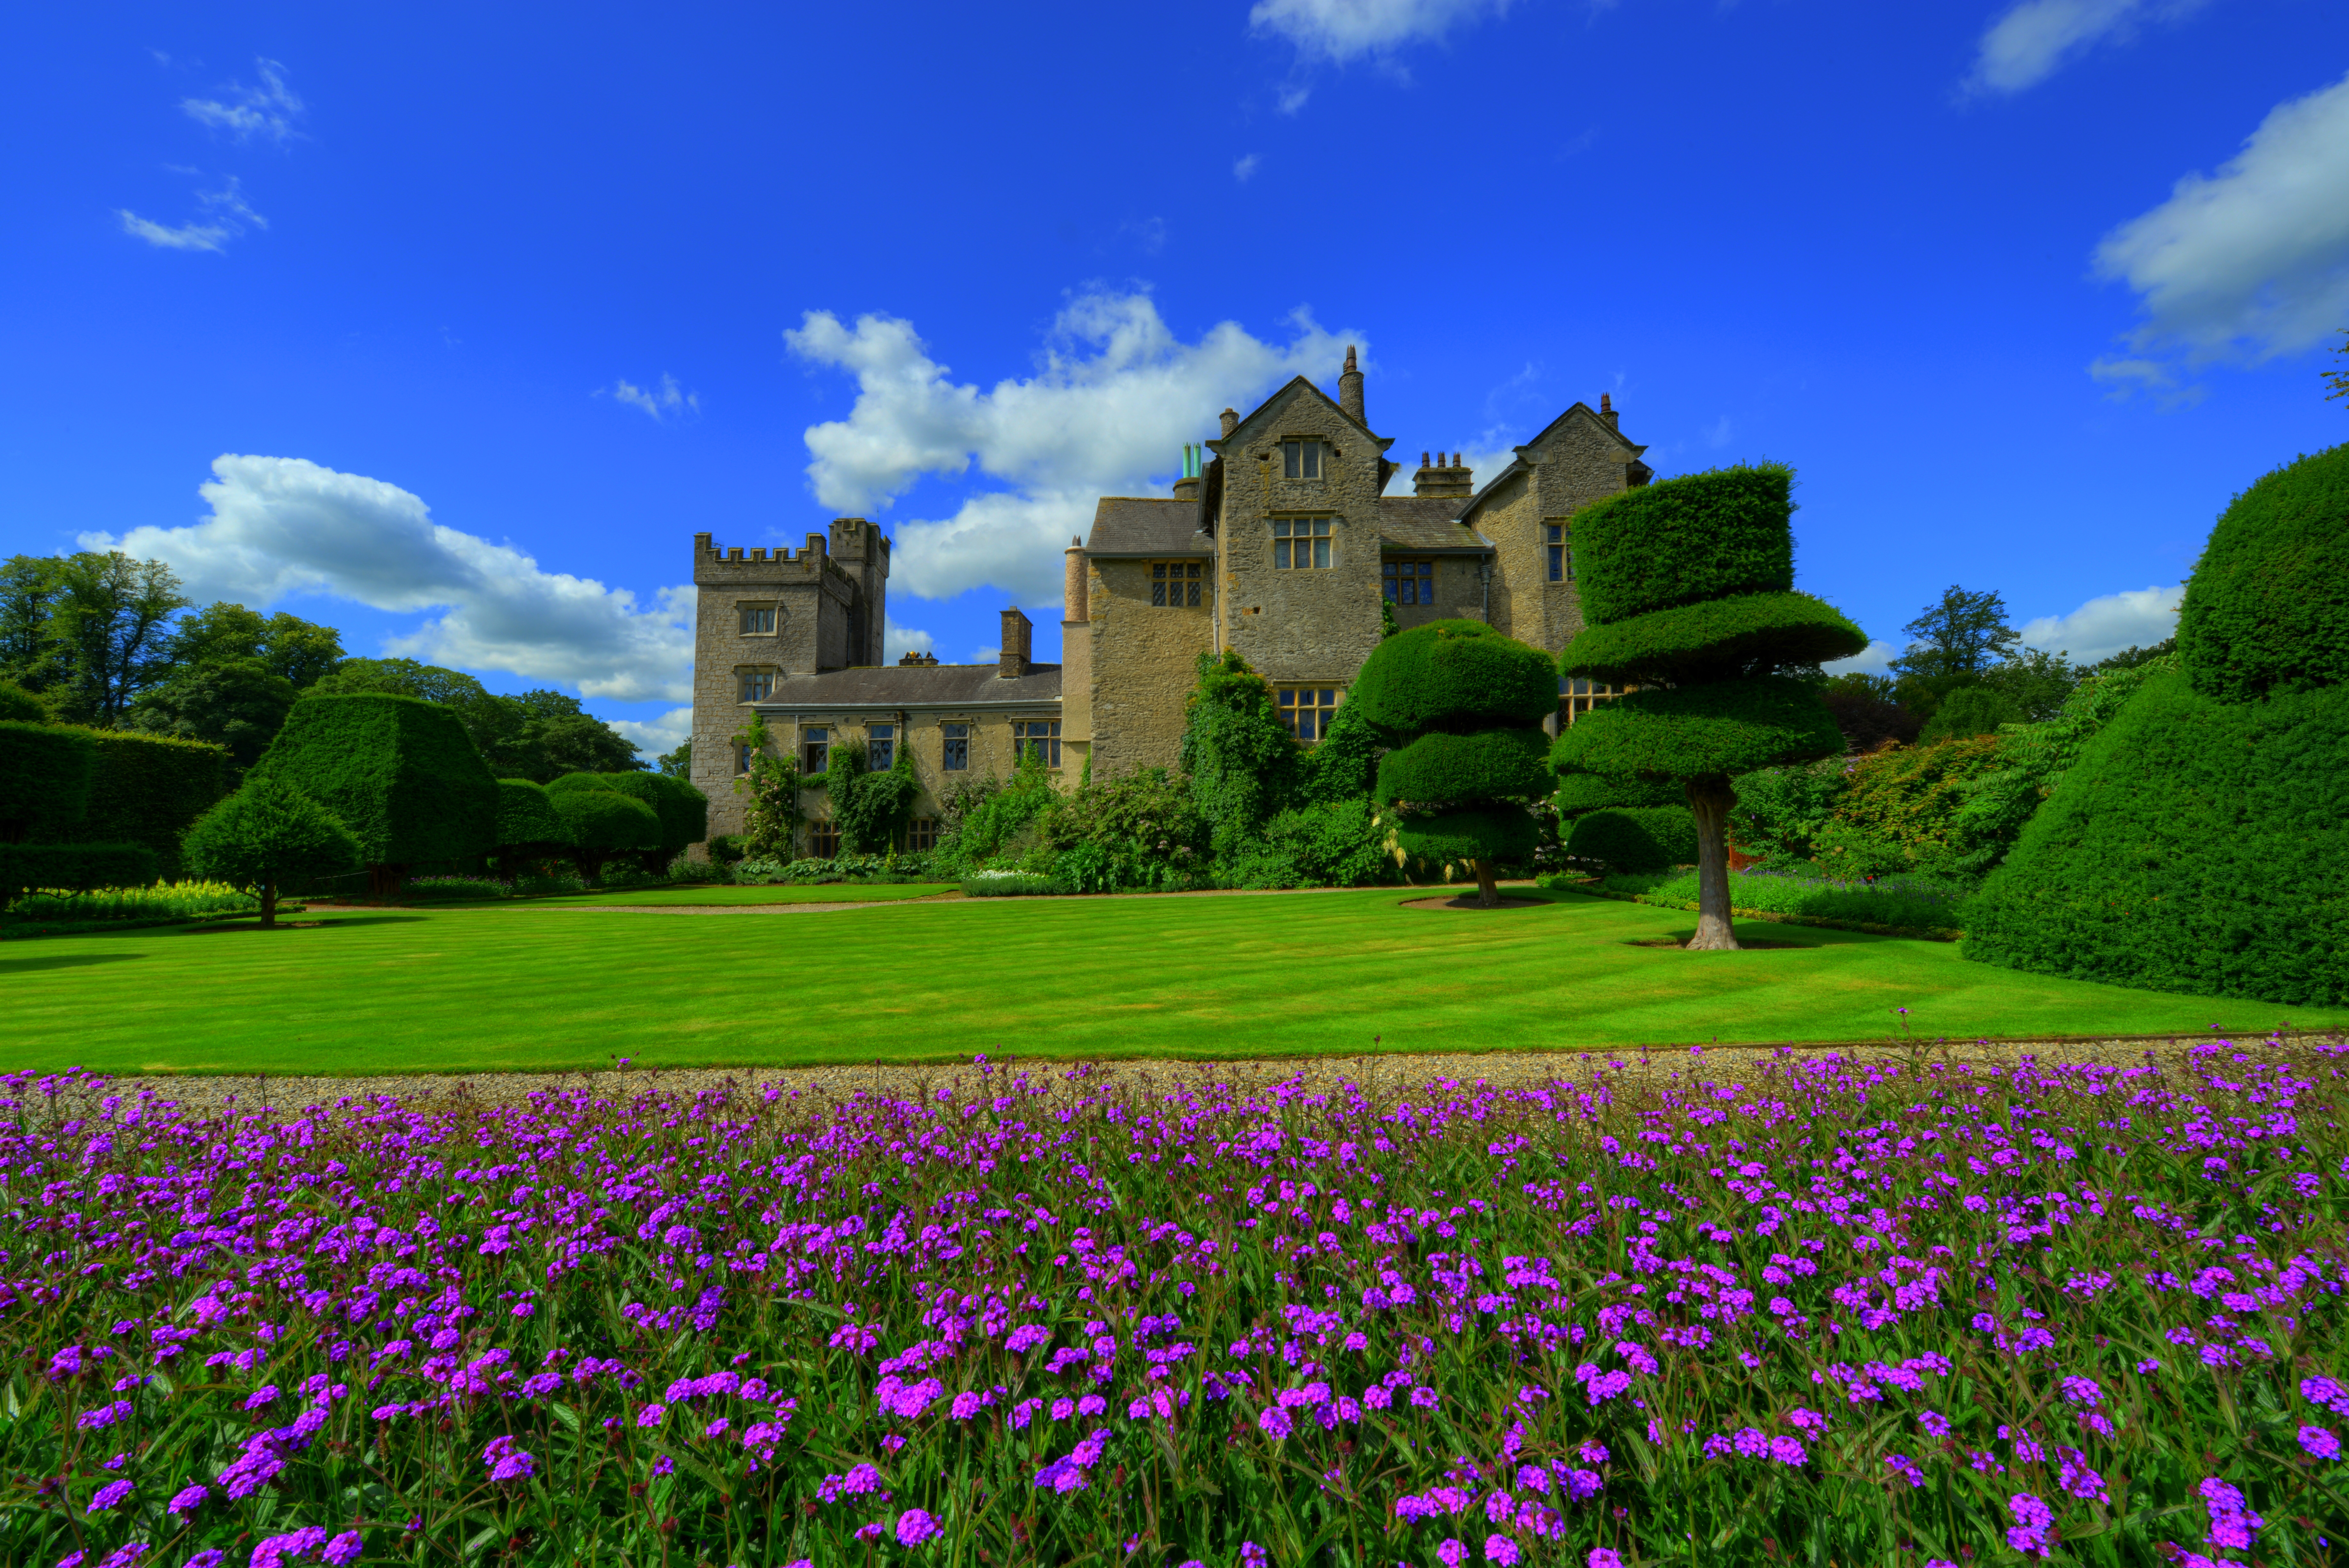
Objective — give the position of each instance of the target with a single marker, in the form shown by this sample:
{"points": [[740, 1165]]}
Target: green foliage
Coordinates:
{"points": [[528, 825], [73, 868], [299, 652], [1971, 711], [676, 763], [1327, 844], [1241, 762], [1456, 675], [868, 807], [771, 822], [1388, 626], [148, 789], [1716, 639], [2195, 846], [1344, 765], [235, 704], [598, 823], [1440, 768], [1140, 832], [995, 817], [1964, 634], [2267, 609], [1724, 727], [1900, 811], [729, 848], [1867, 708], [1920, 904], [2035, 681], [104, 638], [44, 778], [1682, 541], [165, 901], [1781, 812], [1014, 884], [1635, 838], [540, 735], [1474, 837], [269, 836], [1580, 792], [683, 811], [2033, 759], [401, 773], [18, 705], [2132, 656], [403, 678]]}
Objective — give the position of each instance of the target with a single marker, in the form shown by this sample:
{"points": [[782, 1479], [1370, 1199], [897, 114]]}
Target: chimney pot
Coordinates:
{"points": [[1349, 390], [1231, 421]]}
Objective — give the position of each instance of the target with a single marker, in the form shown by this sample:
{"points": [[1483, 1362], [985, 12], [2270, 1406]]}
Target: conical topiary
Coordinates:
{"points": [[1688, 587], [1462, 705]]}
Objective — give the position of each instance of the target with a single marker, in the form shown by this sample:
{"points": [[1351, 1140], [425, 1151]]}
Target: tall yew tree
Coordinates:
{"points": [[1688, 594]]}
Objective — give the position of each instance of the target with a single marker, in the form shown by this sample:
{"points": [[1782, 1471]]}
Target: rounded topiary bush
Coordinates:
{"points": [[1476, 838], [600, 824], [1452, 675], [1634, 839], [528, 825], [2195, 846], [2267, 610], [1490, 765]]}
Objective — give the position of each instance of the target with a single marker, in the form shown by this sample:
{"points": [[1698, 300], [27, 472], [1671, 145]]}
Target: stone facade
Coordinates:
{"points": [[1158, 581]]}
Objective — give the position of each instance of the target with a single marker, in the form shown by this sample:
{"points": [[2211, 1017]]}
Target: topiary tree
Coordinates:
{"points": [[2267, 609], [682, 810], [528, 826], [267, 836], [1688, 589], [599, 822], [1461, 705], [1624, 824], [401, 773], [150, 790]]}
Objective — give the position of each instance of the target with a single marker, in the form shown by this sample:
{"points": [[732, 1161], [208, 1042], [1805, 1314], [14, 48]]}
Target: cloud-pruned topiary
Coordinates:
{"points": [[269, 836], [599, 822], [528, 826], [1688, 585], [1460, 704], [2267, 609], [682, 810], [401, 773]]}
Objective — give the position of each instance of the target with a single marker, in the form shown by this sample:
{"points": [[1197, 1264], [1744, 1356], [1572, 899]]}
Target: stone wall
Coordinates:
{"points": [[1142, 660], [1579, 460]]}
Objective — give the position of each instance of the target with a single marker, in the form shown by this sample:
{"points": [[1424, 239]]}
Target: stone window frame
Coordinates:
{"points": [[954, 746], [743, 755], [767, 613], [824, 839], [815, 749], [881, 742], [1578, 695], [1323, 537], [1299, 453], [1418, 570], [1023, 735], [1297, 714], [1557, 546], [921, 834], [755, 682], [1165, 586]]}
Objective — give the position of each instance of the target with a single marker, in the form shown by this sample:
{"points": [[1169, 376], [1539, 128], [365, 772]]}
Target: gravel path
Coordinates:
{"points": [[1505, 1069]]}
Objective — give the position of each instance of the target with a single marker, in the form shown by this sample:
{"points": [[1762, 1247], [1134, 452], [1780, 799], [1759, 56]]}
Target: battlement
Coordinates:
{"points": [[758, 564]]}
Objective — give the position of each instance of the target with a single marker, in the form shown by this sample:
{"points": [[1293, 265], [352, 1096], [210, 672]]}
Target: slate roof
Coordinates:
{"points": [[1148, 525], [1427, 523], [917, 685]]}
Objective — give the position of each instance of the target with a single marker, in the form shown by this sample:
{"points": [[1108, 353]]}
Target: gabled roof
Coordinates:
{"points": [[1297, 387], [917, 687], [1427, 523], [1133, 525], [1518, 463]]}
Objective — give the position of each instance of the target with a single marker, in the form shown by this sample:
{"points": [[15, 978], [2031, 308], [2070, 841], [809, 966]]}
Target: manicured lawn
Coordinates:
{"points": [[538, 987], [733, 897]]}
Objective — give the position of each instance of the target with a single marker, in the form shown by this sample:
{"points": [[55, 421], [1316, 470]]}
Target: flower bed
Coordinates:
{"points": [[164, 901], [1764, 1308]]}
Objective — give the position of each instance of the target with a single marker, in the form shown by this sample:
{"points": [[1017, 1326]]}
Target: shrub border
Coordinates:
{"points": [[1825, 922]]}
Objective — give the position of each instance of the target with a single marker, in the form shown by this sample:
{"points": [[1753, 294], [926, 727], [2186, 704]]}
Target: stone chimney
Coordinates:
{"points": [[1231, 421], [1012, 662], [1606, 410], [1349, 390], [1073, 588], [1442, 478]]}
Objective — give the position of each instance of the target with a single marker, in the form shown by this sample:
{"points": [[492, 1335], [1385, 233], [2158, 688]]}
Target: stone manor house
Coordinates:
{"points": [[1279, 542]]}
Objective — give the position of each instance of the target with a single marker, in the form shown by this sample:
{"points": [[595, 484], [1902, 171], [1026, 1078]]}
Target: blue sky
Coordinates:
{"points": [[451, 325]]}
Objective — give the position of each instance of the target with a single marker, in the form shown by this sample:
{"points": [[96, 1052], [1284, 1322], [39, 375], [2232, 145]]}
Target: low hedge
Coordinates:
{"points": [[2196, 846], [73, 868]]}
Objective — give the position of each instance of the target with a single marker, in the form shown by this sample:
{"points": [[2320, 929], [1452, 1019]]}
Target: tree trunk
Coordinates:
{"points": [[385, 879], [268, 905], [1710, 799], [1488, 887]]}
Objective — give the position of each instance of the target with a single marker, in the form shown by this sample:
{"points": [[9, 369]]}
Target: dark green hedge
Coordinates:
{"points": [[2195, 846], [18, 705], [1455, 770], [1454, 836], [73, 868], [683, 811], [400, 772], [2267, 609], [150, 790], [45, 774], [605, 820], [1750, 634], [1456, 676], [1725, 727], [1680, 541], [527, 816], [1637, 838], [1578, 792]]}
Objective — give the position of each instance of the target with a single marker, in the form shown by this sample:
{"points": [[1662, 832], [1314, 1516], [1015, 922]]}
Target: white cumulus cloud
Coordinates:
{"points": [[266, 112], [656, 736], [2137, 618], [281, 526], [2253, 261], [1876, 659], [664, 400], [226, 216], [897, 641], [2032, 40], [1345, 30], [1115, 397]]}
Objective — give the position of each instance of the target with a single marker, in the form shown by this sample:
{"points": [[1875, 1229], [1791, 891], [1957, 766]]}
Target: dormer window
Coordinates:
{"points": [[1301, 460]]}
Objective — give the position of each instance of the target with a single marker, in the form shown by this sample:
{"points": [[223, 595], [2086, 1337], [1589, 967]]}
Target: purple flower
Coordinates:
{"points": [[915, 1526], [2032, 1522], [347, 1547], [1604, 1557], [2320, 1443], [507, 1462], [1252, 1555], [966, 1405], [650, 1416], [1452, 1552], [189, 1499], [1787, 1451], [1593, 1452], [209, 1557], [1274, 1423], [109, 1496], [126, 1555], [1500, 1549]]}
